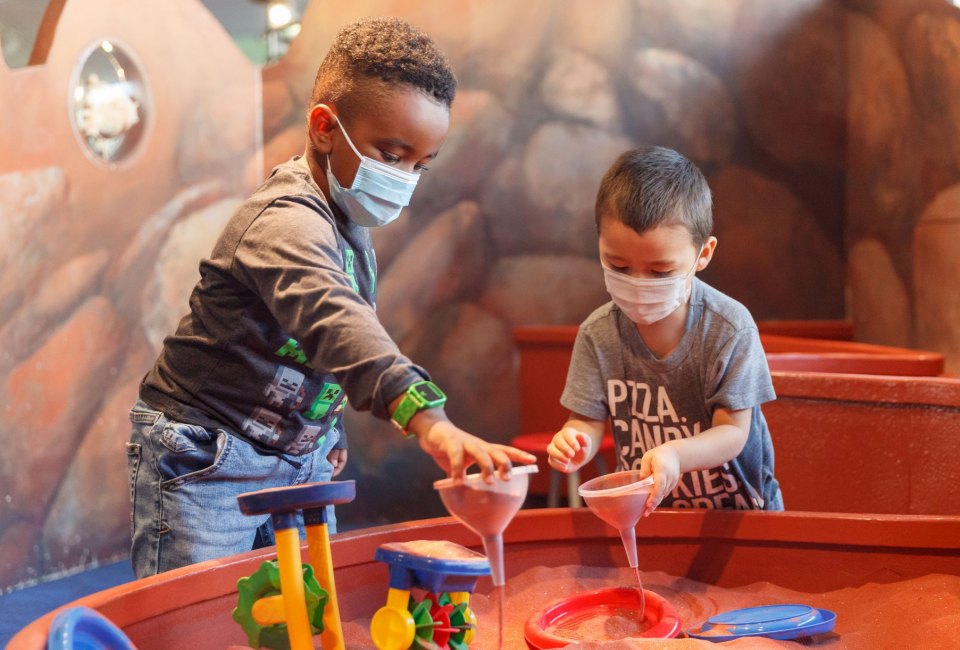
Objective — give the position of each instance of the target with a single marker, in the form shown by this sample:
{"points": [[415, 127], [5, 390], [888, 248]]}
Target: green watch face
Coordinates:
{"points": [[429, 392]]}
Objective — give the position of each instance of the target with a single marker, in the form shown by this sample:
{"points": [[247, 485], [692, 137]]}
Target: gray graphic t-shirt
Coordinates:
{"points": [[718, 363]]}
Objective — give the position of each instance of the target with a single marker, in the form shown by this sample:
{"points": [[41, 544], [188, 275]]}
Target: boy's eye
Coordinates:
{"points": [[661, 274], [393, 159]]}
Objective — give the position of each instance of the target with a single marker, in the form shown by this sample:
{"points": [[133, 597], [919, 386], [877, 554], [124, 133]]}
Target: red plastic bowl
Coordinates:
{"points": [[663, 619]]}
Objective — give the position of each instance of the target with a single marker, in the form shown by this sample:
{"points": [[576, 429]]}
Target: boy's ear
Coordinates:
{"points": [[321, 123], [706, 253]]}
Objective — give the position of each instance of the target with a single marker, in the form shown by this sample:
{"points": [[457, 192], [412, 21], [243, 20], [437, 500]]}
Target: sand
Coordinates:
{"points": [[439, 550], [918, 613]]}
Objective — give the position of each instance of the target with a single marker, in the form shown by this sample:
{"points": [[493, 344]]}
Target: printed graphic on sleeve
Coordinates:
{"points": [[351, 271], [372, 272], [643, 417]]}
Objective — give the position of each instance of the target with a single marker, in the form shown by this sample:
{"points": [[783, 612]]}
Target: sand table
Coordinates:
{"points": [[923, 612]]}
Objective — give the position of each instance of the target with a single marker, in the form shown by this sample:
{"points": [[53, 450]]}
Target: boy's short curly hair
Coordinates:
{"points": [[386, 50], [655, 186]]}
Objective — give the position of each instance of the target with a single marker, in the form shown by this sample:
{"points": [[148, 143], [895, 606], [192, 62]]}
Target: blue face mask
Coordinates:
{"points": [[378, 193]]}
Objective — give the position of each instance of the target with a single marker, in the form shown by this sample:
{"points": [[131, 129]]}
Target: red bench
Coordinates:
{"points": [[796, 354], [834, 330]]}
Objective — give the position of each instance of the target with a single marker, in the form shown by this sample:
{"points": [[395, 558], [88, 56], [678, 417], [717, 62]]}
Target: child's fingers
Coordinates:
{"points": [[653, 500], [582, 439], [565, 447], [655, 496], [645, 467], [481, 455], [502, 461], [455, 461], [560, 447], [572, 441], [519, 456]]}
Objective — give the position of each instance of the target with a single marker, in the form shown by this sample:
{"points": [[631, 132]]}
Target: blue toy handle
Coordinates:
{"points": [[82, 628]]}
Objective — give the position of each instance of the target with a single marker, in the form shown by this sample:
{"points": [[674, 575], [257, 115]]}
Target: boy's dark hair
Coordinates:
{"points": [[656, 186], [375, 51]]}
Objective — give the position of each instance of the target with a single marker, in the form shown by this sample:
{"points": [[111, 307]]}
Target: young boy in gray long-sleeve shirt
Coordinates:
{"points": [[249, 392], [675, 365]]}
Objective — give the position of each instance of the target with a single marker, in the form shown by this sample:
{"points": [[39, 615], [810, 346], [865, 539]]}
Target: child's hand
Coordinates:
{"points": [[337, 458], [455, 450], [664, 463], [569, 450]]}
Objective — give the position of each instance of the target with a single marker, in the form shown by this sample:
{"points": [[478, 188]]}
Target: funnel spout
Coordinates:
{"points": [[493, 548], [629, 538]]}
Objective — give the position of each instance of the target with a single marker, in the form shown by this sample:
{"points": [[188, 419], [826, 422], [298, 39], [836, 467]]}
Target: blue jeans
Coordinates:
{"points": [[184, 482]]}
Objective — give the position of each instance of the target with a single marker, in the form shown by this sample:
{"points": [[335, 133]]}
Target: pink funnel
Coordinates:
{"points": [[487, 509], [618, 499]]}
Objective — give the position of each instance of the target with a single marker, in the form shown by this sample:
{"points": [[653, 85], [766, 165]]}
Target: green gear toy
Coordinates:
{"points": [[264, 582], [423, 622], [462, 621]]}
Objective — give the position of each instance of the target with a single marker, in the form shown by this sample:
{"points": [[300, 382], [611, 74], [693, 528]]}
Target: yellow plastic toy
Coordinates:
{"points": [[285, 602]]}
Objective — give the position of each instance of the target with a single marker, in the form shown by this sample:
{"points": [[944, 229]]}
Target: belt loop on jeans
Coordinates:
{"points": [[145, 417]]}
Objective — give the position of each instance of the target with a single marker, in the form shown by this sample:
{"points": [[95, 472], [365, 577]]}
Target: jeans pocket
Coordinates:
{"points": [[188, 453], [133, 469]]}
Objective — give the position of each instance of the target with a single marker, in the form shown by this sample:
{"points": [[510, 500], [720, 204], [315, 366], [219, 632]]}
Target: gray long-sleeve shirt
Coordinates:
{"points": [[282, 325]]}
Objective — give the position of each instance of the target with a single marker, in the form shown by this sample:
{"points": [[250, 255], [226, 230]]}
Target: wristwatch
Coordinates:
{"points": [[419, 396]]}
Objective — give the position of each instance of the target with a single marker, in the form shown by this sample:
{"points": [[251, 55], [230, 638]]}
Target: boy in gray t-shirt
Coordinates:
{"points": [[675, 365]]}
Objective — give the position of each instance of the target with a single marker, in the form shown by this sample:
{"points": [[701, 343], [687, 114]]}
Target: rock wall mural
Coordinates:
{"points": [[824, 128], [903, 162], [110, 190]]}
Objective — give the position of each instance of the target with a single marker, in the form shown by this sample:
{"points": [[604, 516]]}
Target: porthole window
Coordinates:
{"points": [[109, 102]]}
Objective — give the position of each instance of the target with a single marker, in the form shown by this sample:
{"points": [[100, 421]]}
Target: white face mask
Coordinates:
{"points": [[646, 301], [378, 193]]}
